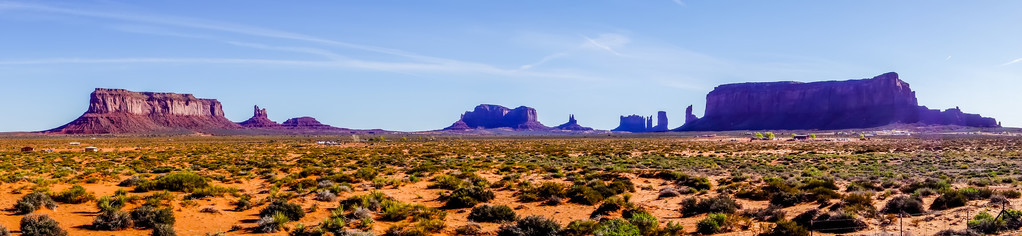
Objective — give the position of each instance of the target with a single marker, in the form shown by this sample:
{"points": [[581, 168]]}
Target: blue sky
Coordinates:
{"points": [[417, 65]]}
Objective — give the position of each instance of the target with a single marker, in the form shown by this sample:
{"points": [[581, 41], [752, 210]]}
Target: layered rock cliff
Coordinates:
{"points": [[488, 116], [123, 111], [878, 101], [572, 125], [305, 122]]}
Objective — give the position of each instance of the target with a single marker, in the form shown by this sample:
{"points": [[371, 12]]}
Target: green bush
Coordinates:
{"points": [[838, 221], [147, 216], [180, 181], [584, 195], [33, 201], [786, 228], [491, 213], [272, 223], [468, 197], [530, 226], [616, 227], [712, 224], [291, 210], [647, 223], [447, 182], [211, 191], [949, 199], [986, 223], [74, 195], [580, 228], [40, 225]]}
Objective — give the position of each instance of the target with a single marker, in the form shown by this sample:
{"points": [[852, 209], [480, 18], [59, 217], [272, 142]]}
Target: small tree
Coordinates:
{"points": [[812, 136], [759, 135], [770, 135]]}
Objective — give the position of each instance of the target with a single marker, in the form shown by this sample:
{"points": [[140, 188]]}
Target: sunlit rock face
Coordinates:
{"points": [[487, 116], [123, 111]]}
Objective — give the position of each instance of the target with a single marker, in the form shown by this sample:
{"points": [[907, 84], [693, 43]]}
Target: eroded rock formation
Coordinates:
{"points": [[639, 124], [488, 116], [305, 122], [572, 125], [878, 101], [123, 111], [259, 120]]}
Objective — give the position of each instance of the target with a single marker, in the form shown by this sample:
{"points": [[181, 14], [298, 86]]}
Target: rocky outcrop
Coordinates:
{"points": [[488, 116], [259, 120], [572, 125], [305, 122], [689, 117], [639, 124], [123, 111], [661, 122], [878, 101]]}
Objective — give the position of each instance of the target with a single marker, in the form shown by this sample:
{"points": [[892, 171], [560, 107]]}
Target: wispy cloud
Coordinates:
{"points": [[679, 2], [607, 42], [1012, 62]]}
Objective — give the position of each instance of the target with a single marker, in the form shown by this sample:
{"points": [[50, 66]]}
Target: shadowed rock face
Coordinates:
{"points": [[572, 125], [495, 116], [878, 101], [305, 122], [123, 111], [259, 120], [639, 124]]}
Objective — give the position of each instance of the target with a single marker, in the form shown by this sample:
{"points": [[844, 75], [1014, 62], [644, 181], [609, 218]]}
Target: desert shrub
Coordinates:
{"points": [[821, 194], [839, 221], [612, 204], [131, 181], [1012, 218], [74, 195], [806, 218], [369, 201], [291, 210], [858, 202], [616, 227], [325, 196], [302, 230], [272, 223], [112, 220], [771, 213], [672, 229], [950, 199], [647, 224], [469, 229], [33, 201], [584, 195], [951, 232], [712, 224], [180, 181], [697, 183], [986, 223], [211, 191], [147, 216], [4, 231], [786, 228], [718, 204], [243, 203], [366, 174], [448, 182], [492, 213], [352, 232], [668, 192], [928, 183], [976, 193], [787, 198], [530, 226], [1010, 194], [114, 203], [580, 228], [904, 204], [468, 197], [40, 225]]}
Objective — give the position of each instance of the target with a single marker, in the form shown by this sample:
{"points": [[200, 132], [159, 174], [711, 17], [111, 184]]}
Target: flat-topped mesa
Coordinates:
{"points": [[572, 125], [863, 103], [259, 120], [123, 111], [488, 116]]}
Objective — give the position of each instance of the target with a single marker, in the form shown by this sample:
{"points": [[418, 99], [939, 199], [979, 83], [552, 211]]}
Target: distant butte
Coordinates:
{"points": [[488, 116], [864, 103], [260, 120]]}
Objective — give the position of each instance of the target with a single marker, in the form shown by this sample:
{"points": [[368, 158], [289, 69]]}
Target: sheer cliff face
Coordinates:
{"points": [[488, 116], [259, 119], [878, 101], [123, 111]]}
